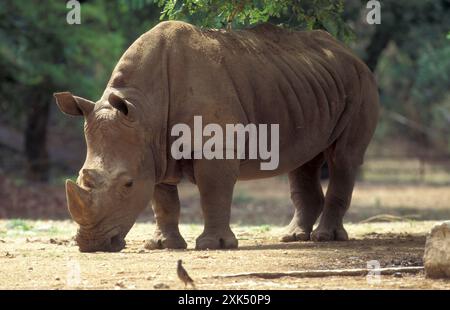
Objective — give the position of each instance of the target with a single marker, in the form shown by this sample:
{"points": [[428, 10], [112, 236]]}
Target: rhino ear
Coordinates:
{"points": [[73, 105], [121, 104]]}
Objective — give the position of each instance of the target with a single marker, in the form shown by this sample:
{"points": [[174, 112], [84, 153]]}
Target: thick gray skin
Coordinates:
{"points": [[322, 96]]}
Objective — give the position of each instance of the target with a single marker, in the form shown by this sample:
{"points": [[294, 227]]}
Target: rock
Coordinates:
{"points": [[398, 275], [161, 286], [437, 252], [120, 284]]}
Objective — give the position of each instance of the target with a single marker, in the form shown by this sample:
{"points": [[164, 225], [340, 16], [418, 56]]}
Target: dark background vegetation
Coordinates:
{"points": [[40, 54]]}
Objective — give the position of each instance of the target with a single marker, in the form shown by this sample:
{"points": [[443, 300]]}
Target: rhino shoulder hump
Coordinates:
{"points": [[320, 32], [173, 28]]}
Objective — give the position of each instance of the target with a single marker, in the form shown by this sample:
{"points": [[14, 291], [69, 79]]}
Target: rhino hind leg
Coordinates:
{"points": [[337, 201], [166, 207], [215, 180], [308, 199], [344, 157]]}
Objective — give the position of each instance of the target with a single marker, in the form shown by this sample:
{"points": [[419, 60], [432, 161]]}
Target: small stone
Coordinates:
{"points": [[398, 275], [120, 284], [57, 278], [396, 262], [161, 286], [141, 251], [437, 252], [149, 278], [30, 268]]}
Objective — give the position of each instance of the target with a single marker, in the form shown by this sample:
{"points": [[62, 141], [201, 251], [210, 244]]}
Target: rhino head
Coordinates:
{"points": [[117, 179]]}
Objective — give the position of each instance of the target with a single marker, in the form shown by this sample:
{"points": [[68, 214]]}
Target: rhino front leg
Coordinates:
{"points": [[166, 207], [307, 197], [215, 180]]}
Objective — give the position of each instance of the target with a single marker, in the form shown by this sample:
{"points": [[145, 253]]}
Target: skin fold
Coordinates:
{"points": [[323, 97]]}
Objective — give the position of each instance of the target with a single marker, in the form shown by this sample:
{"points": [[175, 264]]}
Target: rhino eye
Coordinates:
{"points": [[129, 184]]}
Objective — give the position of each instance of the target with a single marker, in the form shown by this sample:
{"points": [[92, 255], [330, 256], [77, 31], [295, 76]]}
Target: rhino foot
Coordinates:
{"points": [[296, 233], [166, 241], [216, 240], [329, 234]]}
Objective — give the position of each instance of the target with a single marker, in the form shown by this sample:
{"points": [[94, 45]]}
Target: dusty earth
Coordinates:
{"points": [[42, 254], [39, 252]]}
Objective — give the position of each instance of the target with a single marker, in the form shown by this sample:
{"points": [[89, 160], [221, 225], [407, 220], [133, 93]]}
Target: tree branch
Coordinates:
{"points": [[324, 273]]}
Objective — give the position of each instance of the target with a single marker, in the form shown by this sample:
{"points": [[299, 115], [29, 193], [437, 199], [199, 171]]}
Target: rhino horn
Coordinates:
{"points": [[78, 200]]}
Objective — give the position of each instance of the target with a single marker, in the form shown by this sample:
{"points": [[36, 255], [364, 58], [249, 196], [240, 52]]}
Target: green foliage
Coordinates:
{"points": [[41, 46], [41, 51], [307, 14], [415, 69]]}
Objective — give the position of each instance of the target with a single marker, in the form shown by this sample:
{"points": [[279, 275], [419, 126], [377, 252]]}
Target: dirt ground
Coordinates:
{"points": [[39, 252], [42, 254]]}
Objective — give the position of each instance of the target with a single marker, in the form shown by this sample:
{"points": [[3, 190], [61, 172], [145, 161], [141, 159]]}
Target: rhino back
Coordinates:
{"points": [[307, 82]]}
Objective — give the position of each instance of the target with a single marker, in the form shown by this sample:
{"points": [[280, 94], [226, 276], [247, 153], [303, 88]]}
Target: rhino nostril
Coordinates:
{"points": [[90, 178], [88, 183]]}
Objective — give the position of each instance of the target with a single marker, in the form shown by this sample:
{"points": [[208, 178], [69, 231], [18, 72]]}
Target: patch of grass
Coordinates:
{"points": [[20, 225], [259, 229], [18, 181], [50, 230]]}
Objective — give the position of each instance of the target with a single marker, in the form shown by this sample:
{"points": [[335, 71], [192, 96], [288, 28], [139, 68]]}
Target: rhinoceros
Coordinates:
{"points": [[324, 99]]}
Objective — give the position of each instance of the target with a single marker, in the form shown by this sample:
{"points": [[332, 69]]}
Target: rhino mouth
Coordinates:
{"points": [[117, 243], [112, 243]]}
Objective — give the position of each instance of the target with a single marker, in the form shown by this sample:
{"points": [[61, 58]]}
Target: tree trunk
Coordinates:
{"points": [[376, 47], [36, 154]]}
